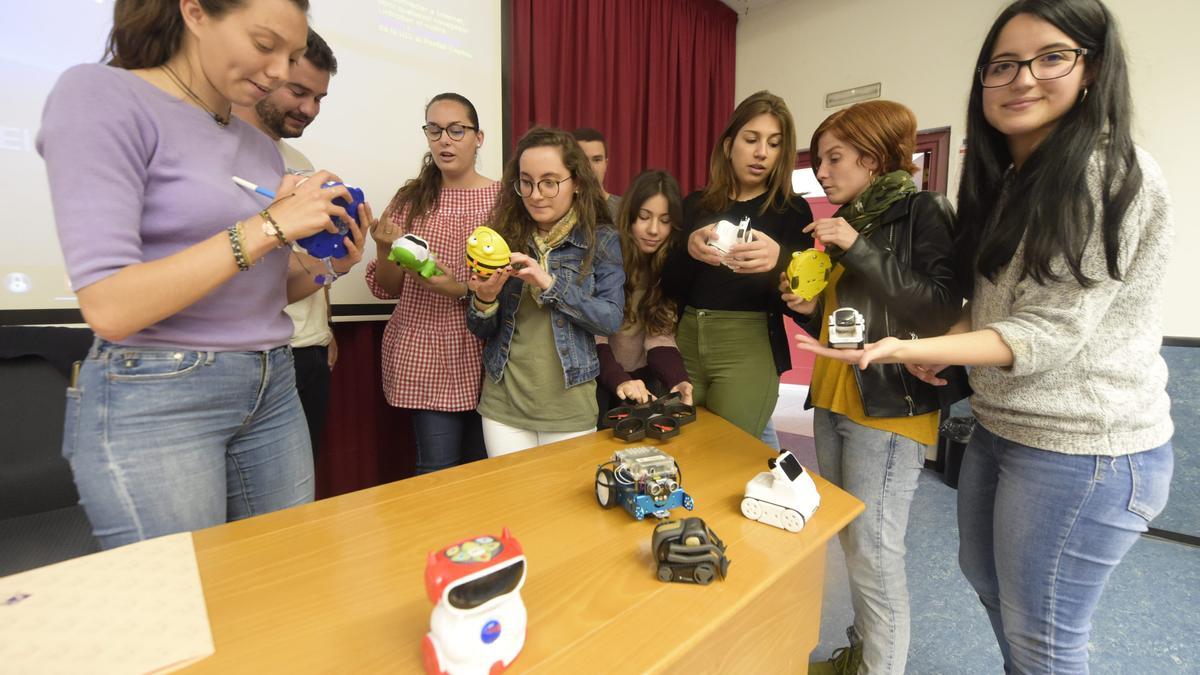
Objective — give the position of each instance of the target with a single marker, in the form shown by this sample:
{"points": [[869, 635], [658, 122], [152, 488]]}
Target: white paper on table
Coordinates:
{"points": [[135, 609]]}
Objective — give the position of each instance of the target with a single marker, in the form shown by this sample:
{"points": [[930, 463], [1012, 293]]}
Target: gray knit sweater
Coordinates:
{"points": [[1087, 376]]}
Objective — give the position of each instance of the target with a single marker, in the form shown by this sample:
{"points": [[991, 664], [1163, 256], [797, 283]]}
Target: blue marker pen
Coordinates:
{"points": [[321, 279], [251, 186]]}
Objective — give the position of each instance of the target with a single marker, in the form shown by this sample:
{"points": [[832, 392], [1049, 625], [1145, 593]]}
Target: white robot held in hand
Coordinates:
{"points": [[728, 235], [785, 496]]}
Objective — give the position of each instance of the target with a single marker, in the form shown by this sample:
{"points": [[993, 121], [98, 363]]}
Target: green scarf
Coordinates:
{"points": [[863, 213]]}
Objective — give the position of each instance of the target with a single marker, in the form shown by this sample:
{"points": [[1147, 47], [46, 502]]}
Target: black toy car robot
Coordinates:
{"points": [[686, 550]]}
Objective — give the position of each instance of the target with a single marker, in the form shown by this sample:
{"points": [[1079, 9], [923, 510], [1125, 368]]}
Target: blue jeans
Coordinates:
{"points": [[446, 439], [163, 441], [769, 436], [881, 468], [1039, 534]]}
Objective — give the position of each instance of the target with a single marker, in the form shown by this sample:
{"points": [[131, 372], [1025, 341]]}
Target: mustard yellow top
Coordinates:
{"points": [[835, 388]]}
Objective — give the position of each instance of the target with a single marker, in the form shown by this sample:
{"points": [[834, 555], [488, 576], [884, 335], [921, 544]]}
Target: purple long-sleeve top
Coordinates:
{"points": [[137, 175]]}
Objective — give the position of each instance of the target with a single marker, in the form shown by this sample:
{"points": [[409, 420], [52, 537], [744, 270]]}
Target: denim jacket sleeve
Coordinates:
{"points": [[602, 311], [484, 324]]}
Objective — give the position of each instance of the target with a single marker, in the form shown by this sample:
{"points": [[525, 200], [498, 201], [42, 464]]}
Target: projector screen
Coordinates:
{"points": [[393, 56]]}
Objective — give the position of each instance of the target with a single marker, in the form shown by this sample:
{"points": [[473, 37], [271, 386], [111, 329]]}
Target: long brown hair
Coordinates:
{"points": [[420, 194], [722, 183], [885, 131], [147, 33], [656, 312], [512, 220]]}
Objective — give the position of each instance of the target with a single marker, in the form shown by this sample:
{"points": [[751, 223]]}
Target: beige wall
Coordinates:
{"points": [[923, 53]]}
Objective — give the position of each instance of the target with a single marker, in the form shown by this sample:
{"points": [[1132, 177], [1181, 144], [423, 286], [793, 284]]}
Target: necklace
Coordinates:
{"points": [[221, 121]]}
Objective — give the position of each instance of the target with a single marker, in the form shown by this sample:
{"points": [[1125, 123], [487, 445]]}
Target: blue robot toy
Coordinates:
{"points": [[644, 480]]}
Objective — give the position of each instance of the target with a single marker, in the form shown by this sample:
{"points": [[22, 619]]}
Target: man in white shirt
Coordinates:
{"points": [[286, 113]]}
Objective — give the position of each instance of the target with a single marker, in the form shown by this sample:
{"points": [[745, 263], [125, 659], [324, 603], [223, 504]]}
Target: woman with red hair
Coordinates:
{"points": [[892, 251]]}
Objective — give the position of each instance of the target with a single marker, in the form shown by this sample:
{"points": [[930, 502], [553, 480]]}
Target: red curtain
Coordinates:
{"points": [[655, 77], [366, 442]]}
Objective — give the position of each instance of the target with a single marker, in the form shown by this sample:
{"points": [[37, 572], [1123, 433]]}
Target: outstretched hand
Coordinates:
{"points": [[872, 352]]}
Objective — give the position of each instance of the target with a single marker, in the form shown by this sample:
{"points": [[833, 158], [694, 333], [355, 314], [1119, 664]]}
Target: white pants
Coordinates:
{"points": [[502, 439]]}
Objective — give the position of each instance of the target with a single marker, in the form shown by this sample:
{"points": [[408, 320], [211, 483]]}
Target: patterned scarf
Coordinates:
{"points": [[543, 245], [863, 213]]}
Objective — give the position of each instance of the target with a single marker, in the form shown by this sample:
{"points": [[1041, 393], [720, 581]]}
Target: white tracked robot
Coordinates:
{"points": [[785, 496]]}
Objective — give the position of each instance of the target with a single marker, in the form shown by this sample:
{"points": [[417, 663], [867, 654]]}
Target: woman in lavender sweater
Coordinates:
{"points": [[185, 413], [1065, 227]]}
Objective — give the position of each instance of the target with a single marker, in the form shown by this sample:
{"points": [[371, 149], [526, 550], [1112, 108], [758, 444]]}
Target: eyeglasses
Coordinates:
{"points": [[434, 132], [547, 187], [1048, 66]]}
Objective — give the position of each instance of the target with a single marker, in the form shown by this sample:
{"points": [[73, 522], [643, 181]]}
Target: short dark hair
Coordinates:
{"points": [[590, 134], [319, 54]]}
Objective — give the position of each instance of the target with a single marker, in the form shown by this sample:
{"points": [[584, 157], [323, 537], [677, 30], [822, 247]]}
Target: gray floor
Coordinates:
{"points": [[1148, 620]]}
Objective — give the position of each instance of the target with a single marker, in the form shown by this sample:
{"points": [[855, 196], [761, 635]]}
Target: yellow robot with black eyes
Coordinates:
{"points": [[808, 273], [486, 252]]}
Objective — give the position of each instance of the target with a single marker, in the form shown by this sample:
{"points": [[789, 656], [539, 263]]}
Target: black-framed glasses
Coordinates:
{"points": [[456, 131], [547, 187], [1048, 66]]}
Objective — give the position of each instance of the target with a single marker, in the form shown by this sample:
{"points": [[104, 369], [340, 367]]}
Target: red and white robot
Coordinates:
{"points": [[478, 620]]}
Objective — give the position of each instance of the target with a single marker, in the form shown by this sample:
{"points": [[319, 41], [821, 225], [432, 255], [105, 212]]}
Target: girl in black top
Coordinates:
{"points": [[731, 331]]}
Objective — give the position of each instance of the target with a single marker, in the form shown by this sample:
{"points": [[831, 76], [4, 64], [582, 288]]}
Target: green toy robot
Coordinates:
{"points": [[412, 253]]}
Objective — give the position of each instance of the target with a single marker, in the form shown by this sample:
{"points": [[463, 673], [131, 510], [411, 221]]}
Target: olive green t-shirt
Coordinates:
{"points": [[531, 393]]}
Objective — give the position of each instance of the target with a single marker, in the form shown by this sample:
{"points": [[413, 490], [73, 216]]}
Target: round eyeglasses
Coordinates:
{"points": [[546, 187], [1048, 66]]}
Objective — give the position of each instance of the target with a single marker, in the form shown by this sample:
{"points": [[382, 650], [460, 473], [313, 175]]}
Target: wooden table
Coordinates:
{"points": [[337, 585]]}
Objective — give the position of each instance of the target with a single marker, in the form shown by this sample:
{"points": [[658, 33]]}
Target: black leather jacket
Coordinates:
{"points": [[901, 278]]}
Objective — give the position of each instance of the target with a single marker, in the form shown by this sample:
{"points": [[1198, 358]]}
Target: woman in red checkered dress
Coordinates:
{"points": [[432, 364]]}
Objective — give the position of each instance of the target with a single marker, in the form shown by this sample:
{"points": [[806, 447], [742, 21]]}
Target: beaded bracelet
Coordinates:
{"points": [[271, 228], [241, 233], [235, 241]]}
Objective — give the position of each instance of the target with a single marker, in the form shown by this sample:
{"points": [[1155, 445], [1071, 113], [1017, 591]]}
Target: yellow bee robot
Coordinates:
{"points": [[808, 273], [486, 252]]}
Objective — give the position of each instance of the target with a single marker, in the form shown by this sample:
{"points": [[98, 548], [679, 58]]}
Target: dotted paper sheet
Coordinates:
{"points": [[135, 609]]}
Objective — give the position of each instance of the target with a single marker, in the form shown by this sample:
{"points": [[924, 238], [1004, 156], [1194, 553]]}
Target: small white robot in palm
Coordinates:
{"points": [[847, 329], [785, 496]]}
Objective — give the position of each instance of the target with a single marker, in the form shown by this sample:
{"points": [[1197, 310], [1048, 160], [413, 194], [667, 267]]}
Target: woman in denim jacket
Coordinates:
{"points": [[540, 315]]}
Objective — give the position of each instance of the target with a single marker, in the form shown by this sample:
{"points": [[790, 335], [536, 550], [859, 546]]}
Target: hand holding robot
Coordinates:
{"points": [[737, 247], [412, 253]]}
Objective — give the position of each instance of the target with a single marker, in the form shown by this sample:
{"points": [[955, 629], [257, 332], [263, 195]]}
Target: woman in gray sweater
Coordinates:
{"points": [[1064, 231]]}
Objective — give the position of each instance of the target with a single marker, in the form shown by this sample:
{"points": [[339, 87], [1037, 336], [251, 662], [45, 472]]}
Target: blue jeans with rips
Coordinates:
{"points": [[1039, 534], [171, 440], [881, 468]]}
